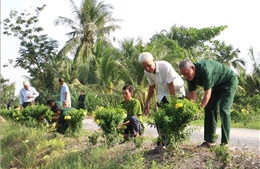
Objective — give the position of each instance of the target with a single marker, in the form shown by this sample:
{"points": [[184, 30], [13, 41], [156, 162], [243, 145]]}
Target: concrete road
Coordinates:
{"points": [[242, 139]]}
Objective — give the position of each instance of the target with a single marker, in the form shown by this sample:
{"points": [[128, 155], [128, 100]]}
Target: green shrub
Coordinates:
{"points": [[109, 118], [173, 119], [74, 119], [30, 115]]}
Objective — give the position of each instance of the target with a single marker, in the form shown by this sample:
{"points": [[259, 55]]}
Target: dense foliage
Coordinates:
{"points": [[109, 118], [89, 61], [30, 117], [173, 119]]}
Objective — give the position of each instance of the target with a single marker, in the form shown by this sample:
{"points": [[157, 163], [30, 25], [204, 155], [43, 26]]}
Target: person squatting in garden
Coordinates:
{"points": [[133, 121], [27, 95], [160, 75], [52, 104], [219, 83], [61, 123]]}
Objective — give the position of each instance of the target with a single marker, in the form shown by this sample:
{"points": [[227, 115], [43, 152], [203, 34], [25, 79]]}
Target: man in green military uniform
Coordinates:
{"points": [[219, 83], [62, 124]]}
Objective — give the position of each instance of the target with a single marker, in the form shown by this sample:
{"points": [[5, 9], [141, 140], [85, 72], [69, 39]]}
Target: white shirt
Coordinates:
{"points": [[25, 93], [64, 89], [164, 75]]}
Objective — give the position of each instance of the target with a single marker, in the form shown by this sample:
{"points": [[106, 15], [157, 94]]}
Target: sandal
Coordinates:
{"points": [[206, 145]]}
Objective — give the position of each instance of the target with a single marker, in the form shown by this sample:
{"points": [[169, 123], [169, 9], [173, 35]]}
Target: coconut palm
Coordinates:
{"points": [[250, 83], [92, 20], [228, 55]]}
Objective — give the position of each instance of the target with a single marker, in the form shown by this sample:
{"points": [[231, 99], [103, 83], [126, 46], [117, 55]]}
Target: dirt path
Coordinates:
{"points": [[241, 139]]}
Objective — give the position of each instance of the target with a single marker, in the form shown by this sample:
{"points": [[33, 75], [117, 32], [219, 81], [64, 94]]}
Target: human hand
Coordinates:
{"points": [[30, 96], [146, 109], [120, 126], [41, 117]]}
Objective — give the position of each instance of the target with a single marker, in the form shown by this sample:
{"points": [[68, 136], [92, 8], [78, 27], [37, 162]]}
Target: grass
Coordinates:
{"points": [[30, 148]]}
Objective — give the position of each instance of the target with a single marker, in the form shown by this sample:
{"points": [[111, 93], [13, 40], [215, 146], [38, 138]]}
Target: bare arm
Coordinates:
{"points": [[66, 96], [124, 124], [149, 96], [192, 95], [206, 97], [171, 89]]}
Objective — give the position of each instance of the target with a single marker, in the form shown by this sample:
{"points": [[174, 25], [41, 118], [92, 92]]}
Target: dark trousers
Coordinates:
{"points": [[134, 127], [25, 104], [220, 101]]}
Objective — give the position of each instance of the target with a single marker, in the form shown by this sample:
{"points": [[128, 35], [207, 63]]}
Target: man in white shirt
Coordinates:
{"points": [[160, 75], [27, 95], [64, 92]]}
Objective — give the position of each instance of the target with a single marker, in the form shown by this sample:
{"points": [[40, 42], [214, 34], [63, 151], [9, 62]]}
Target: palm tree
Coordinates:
{"points": [[250, 83], [228, 55], [92, 20]]}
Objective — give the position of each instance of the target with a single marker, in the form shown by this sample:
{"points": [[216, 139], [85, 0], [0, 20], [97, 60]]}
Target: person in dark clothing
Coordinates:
{"points": [[62, 124], [8, 106], [81, 100]]}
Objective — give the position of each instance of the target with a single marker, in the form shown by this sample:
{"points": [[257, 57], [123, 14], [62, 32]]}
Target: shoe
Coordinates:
{"points": [[206, 145]]}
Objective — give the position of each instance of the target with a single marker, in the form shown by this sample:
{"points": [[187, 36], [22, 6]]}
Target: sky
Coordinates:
{"points": [[142, 18]]}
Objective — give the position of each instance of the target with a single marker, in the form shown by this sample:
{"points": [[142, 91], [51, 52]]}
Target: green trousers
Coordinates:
{"points": [[220, 101]]}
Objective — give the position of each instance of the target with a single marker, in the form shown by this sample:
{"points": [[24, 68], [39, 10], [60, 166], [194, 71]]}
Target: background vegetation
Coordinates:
{"points": [[90, 62]]}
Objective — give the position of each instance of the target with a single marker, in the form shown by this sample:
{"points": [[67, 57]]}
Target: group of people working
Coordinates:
{"points": [[27, 97], [219, 83]]}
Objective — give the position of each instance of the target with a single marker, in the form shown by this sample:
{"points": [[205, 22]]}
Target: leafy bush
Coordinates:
{"points": [[109, 118], [246, 111], [74, 119], [173, 119], [27, 116], [30, 115]]}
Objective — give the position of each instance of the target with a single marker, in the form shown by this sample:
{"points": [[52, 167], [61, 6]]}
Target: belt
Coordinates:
{"points": [[27, 102]]}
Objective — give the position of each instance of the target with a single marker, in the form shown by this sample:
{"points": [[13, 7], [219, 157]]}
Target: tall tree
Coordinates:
{"points": [[227, 54], [7, 91], [250, 83], [37, 50], [92, 20]]}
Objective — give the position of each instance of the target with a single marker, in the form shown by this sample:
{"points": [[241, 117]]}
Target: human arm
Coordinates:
{"points": [[34, 93], [55, 118], [171, 89], [66, 95], [126, 123], [206, 97], [149, 96], [192, 95], [21, 99]]}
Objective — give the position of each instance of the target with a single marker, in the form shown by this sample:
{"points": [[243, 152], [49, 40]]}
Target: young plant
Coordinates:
{"points": [[74, 119], [173, 119], [108, 119]]}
